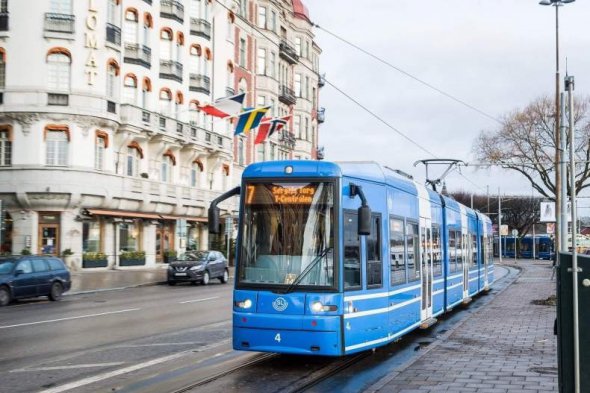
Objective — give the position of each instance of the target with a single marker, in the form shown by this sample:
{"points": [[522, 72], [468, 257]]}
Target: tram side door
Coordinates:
{"points": [[426, 267], [466, 245]]}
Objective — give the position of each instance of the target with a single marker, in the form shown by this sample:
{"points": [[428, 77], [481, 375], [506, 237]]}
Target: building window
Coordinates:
{"points": [[58, 67], [166, 169], [244, 8], [166, 44], [99, 153], [133, 157], [196, 170], [61, 6], [91, 236], [56, 145], [2, 70], [165, 101], [112, 72], [273, 21], [306, 130], [260, 152], [261, 63], [297, 126], [129, 237], [260, 100], [297, 85], [262, 17], [145, 93], [5, 147], [112, 12], [273, 65], [298, 46], [242, 53], [130, 89], [130, 30]]}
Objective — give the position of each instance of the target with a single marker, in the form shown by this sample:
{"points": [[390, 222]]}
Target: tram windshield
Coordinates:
{"points": [[287, 235]]}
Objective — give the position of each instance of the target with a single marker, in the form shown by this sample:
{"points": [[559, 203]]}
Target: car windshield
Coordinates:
{"points": [[194, 256], [6, 266], [288, 235]]}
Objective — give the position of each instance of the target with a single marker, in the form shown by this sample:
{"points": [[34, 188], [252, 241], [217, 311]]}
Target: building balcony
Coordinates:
{"points": [[138, 54], [201, 28], [229, 91], [172, 9], [59, 23], [170, 69], [319, 153], [4, 21], [288, 53], [113, 34], [200, 83], [322, 80], [286, 139], [287, 96], [321, 115]]}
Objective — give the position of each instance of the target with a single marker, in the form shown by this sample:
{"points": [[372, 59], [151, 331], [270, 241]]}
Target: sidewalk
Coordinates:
{"points": [[507, 346]]}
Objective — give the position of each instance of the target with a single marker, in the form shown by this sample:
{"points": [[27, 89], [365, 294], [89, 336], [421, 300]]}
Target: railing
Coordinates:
{"points": [[61, 23], [288, 53], [172, 9], [170, 69], [322, 80], [201, 27], [4, 21], [287, 139], [287, 95], [321, 115], [113, 34], [320, 153], [198, 82], [138, 54]]}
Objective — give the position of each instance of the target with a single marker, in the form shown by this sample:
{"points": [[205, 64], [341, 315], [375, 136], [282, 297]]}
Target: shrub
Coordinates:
{"points": [[94, 256], [25, 251], [132, 255], [66, 252]]}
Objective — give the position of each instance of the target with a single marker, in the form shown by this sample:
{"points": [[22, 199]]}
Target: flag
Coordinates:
{"points": [[250, 119], [269, 126], [224, 107]]}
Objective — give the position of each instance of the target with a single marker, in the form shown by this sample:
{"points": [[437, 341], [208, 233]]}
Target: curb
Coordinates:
{"points": [[146, 284]]}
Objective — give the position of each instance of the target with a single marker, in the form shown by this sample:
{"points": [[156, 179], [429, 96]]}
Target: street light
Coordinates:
{"points": [[559, 166]]}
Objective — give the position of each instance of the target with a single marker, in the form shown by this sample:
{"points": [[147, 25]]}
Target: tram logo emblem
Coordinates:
{"points": [[280, 304]]}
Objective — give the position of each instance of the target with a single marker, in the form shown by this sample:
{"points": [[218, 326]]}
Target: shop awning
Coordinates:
{"points": [[132, 214]]}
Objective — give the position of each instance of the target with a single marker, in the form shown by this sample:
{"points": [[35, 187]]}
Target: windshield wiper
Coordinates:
{"points": [[308, 269]]}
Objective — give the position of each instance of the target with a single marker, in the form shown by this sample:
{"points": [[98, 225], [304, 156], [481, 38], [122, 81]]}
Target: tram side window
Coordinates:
{"points": [[460, 251], [374, 264], [413, 251], [490, 255], [436, 252], [452, 252], [474, 252], [352, 244], [397, 252]]}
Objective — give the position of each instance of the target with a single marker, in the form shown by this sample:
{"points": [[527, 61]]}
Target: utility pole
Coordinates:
{"points": [[499, 225]]}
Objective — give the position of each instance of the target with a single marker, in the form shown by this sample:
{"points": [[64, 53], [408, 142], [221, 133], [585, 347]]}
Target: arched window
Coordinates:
{"points": [[101, 143], [58, 66], [113, 12], [196, 170], [130, 28], [5, 145], [134, 154], [148, 23], [178, 103], [168, 161], [194, 112], [165, 101], [57, 138], [145, 93], [166, 43], [112, 73], [130, 89]]}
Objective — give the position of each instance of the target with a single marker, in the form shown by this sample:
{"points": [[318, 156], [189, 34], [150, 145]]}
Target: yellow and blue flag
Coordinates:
{"points": [[250, 119]]}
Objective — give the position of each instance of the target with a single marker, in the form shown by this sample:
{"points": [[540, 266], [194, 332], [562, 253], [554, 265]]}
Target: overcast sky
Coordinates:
{"points": [[496, 55]]}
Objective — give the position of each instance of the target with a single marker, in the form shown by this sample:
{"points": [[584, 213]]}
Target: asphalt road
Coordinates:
{"points": [[46, 345]]}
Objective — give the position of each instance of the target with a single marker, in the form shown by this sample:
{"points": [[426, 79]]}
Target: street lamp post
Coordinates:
{"points": [[559, 189]]}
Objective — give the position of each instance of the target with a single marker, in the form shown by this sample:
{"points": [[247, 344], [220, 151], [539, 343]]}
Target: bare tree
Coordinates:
{"points": [[525, 143]]}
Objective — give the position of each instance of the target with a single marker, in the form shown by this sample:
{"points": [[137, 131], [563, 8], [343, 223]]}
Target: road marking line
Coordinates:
{"points": [[100, 377], [20, 370], [69, 318], [199, 300]]}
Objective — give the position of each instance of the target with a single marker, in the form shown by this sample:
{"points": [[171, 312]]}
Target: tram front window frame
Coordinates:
{"points": [[287, 237]]}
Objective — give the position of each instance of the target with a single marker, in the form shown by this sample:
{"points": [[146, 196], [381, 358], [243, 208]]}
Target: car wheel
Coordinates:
{"points": [[171, 282], [206, 278], [56, 291], [225, 278], [5, 297]]}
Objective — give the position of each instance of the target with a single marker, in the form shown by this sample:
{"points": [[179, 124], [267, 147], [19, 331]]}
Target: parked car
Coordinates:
{"points": [[198, 266], [29, 276]]}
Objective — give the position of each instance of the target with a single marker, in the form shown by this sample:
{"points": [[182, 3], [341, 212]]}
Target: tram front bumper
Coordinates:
{"points": [[293, 334]]}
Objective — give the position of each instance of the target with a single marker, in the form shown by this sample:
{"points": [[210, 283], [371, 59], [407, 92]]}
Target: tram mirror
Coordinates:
{"points": [[364, 214], [213, 219]]}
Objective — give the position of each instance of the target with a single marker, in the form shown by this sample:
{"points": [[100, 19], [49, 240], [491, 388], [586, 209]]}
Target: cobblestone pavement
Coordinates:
{"points": [[506, 346]]}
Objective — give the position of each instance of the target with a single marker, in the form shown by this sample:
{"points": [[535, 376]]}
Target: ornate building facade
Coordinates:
{"points": [[102, 146]]}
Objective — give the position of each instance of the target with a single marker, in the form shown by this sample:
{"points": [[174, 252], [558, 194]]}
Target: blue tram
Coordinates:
{"points": [[543, 247], [337, 258]]}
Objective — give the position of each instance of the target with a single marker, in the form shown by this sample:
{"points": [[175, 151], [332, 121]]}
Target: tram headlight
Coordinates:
{"points": [[319, 307], [245, 304]]}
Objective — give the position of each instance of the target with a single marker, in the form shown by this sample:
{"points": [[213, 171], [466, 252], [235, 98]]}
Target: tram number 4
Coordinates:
{"points": [[278, 337]]}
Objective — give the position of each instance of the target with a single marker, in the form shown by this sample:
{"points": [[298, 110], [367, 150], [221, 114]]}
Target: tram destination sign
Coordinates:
{"points": [[281, 194]]}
